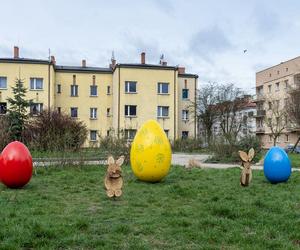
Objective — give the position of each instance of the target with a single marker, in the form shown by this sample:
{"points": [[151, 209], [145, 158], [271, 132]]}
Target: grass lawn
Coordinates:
{"points": [[191, 209], [295, 160], [86, 153]]}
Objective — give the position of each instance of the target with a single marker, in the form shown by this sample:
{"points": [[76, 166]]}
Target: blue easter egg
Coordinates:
{"points": [[277, 165]]}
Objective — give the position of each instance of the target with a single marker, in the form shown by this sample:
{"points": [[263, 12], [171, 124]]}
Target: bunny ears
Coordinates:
{"points": [[247, 157], [119, 162]]}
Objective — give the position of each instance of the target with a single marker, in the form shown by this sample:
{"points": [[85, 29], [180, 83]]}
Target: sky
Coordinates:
{"points": [[207, 37]]}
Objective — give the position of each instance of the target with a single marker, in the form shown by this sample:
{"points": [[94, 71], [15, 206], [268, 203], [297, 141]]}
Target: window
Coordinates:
{"points": [[269, 121], [108, 112], [270, 105], [260, 90], [93, 135], [130, 110], [36, 83], [278, 72], [36, 108], [58, 88], [3, 108], [74, 112], [250, 113], [93, 113], [3, 82], [163, 88], [108, 90], [162, 111], [270, 88], [93, 90], [184, 134], [74, 90], [59, 110], [277, 86], [130, 133], [185, 115], [286, 84], [270, 138], [286, 69], [167, 132], [130, 87], [287, 138], [185, 94], [270, 74]]}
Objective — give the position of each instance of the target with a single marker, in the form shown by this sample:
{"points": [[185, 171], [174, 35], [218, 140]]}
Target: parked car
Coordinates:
{"points": [[289, 148]]}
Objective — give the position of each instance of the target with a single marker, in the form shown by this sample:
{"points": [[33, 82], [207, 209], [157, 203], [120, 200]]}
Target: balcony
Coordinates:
{"points": [[259, 98], [293, 128], [260, 130], [260, 113]]}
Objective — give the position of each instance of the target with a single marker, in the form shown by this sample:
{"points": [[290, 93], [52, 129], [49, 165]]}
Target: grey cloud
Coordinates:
{"points": [[266, 21], [209, 42]]}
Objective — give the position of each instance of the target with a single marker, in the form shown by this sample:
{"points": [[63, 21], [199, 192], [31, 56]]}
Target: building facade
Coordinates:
{"points": [[245, 117], [117, 99], [272, 92]]}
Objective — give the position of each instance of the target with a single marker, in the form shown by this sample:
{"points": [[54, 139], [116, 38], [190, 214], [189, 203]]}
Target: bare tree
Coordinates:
{"points": [[206, 101], [276, 118], [230, 101], [293, 109]]}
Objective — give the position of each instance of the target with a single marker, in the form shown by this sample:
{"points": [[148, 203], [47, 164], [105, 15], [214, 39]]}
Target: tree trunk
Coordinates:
{"points": [[295, 144], [274, 141]]}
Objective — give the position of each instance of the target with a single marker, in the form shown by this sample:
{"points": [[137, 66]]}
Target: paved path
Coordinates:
{"points": [[177, 159], [183, 160]]}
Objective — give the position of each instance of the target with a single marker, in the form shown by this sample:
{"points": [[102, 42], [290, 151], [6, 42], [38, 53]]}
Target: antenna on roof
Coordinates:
{"points": [[112, 55], [161, 59], [49, 54]]}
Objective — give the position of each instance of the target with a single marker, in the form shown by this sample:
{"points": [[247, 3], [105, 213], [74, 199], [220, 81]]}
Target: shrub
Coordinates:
{"points": [[224, 152], [5, 135], [186, 145], [53, 131], [248, 142], [115, 146]]}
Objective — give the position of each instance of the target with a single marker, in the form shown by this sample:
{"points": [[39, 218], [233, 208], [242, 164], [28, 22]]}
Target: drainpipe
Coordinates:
{"points": [[49, 78], [119, 102], [195, 129], [175, 104]]}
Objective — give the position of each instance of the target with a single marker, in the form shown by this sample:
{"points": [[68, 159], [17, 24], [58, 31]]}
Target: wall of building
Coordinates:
{"points": [[84, 101], [189, 125], [273, 85], [25, 71], [147, 99]]}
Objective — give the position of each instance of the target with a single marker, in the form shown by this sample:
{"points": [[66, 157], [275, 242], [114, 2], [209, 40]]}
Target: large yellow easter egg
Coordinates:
{"points": [[150, 154]]}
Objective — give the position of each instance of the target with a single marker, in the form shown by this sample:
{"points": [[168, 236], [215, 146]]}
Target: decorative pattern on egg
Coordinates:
{"points": [[150, 154]]}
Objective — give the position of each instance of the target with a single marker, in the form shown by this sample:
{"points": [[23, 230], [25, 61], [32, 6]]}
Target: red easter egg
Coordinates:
{"points": [[15, 165]]}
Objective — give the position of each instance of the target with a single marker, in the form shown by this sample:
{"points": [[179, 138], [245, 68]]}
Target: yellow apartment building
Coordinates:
{"points": [[117, 99], [272, 91]]}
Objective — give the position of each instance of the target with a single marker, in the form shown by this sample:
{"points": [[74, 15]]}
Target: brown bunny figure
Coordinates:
{"points": [[113, 180], [246, 174]]}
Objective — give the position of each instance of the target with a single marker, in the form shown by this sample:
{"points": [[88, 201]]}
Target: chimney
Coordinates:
{"points": [[181, 70], [16, 52], [53, 60], [143, 58], [83, 63]]}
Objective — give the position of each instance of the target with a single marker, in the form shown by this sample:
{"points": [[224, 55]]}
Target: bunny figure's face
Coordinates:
{"points": [[114, 167], [114, 171], [247, 165]]}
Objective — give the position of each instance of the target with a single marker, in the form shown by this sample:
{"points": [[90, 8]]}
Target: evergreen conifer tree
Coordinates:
{"points": [[18, 110]]}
